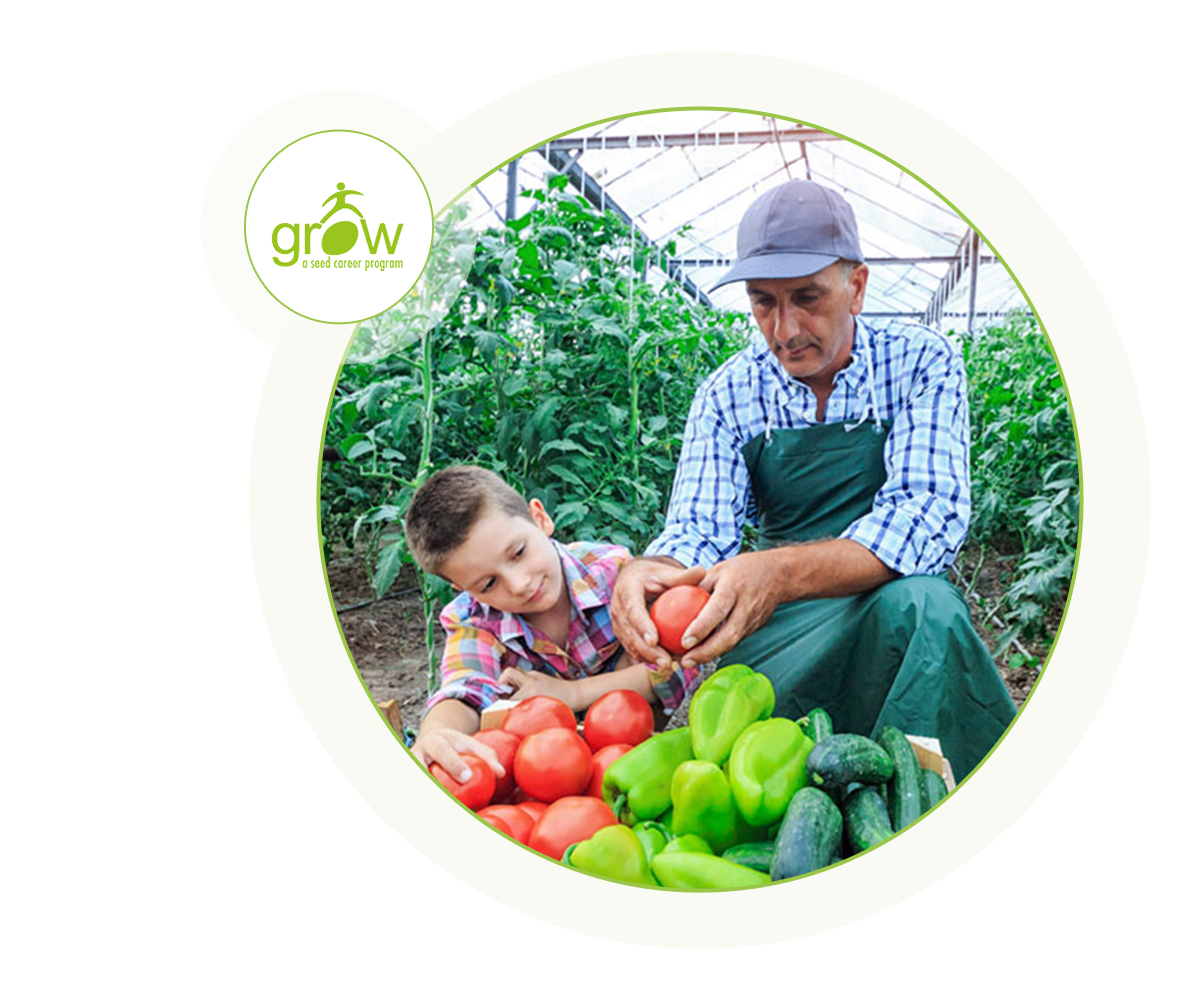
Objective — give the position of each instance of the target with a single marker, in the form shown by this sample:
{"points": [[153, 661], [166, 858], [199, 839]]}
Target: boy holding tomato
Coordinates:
{"points": [[532, 617]]}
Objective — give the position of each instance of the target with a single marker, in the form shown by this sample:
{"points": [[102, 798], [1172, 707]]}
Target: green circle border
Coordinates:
{"points": [[1074, 427], [432, 222]]}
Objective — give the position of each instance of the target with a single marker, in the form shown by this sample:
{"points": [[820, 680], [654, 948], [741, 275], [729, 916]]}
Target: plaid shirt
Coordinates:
{"points": [[481, 642], [901, 372]]}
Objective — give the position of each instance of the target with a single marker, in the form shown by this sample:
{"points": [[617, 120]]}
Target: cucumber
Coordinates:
{"points": [[810, 834], [867, 821], [955, 884], [904, 786], [756, 854], [933, 789], [817, 725], [838, 760]]}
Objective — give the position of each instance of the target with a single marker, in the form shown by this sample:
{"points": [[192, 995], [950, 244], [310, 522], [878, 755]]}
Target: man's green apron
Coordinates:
{"points": [[904, 654]]}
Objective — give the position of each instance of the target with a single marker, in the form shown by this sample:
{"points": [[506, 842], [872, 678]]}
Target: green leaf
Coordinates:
{"points": [[360, 448], [565, 474], [387, 567]]}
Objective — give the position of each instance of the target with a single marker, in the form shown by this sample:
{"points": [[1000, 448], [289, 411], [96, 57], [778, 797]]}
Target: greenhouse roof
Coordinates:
{"points": [[688, 177]]}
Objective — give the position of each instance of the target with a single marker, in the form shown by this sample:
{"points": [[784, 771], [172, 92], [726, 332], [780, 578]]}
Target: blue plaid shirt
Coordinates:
{"points": [[900, 372]]}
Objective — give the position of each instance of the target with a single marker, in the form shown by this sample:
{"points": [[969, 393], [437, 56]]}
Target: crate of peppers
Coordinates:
{"points": [[736, 798]]}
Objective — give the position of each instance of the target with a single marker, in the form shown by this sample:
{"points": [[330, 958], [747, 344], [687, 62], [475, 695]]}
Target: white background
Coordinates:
{"points": [[172, 825]]}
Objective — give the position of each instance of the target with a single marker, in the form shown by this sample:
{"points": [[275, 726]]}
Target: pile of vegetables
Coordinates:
{"points": [[737, 798]]}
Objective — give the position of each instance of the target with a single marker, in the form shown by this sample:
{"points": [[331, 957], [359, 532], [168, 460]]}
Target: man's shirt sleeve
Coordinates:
{"points": [[709, 498], [920, 515]]}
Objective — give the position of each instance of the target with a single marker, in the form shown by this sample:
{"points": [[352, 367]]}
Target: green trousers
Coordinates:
{"points": [[904, 654]]}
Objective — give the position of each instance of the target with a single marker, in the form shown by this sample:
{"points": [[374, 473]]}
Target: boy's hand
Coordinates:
{"points": [[527, 684], [444, 745]]}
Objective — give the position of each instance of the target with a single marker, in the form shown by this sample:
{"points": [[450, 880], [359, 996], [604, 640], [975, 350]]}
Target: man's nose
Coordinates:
{"points": [[787, 322]]}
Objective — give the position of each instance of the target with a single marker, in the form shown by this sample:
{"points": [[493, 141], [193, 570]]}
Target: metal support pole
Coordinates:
{"points": [[510, 206], [1057, 139], [974, 282]]}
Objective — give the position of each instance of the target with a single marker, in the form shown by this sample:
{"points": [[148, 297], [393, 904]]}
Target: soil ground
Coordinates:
{"points": [[387, 637]]}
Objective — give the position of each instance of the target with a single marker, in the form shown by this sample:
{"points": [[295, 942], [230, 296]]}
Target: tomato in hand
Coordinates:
{"points": [[553, 763], [518, 821], [537, 713], [443, 882], [600, 761], [618, 717], [477, 790], [393, 860], [673, 612], [505, 745], [567, 822]]}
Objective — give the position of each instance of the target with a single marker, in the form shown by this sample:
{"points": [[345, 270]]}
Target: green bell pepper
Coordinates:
{"points": [[767, 768], [724, 706], [653, 837], [704, 805], [689, 843], [637, 785], [686, 870], [614, 852]]}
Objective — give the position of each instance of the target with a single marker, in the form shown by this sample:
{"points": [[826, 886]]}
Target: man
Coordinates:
{"points": [[848, 445]]}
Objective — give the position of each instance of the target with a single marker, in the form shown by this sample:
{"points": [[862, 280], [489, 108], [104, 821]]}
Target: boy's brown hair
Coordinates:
{"points": [[446, 507]]}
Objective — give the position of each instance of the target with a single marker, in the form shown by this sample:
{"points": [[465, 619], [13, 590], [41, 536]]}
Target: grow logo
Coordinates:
{"points": [[352, 212], [339, 238]]}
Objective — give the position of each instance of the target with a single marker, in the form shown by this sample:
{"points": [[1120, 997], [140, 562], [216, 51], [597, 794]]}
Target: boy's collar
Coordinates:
{"points": [[586, 590]]}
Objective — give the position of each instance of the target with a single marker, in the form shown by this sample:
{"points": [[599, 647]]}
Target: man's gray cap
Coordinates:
{"points": [[792, 231]]}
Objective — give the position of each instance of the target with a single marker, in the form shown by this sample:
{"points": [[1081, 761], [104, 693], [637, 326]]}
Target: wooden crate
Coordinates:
{"points": [[929, 754]]}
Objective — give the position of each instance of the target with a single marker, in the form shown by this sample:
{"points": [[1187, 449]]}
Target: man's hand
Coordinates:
{"points": [[443, 745], [529, 683], [638, 582], [745, 592]]}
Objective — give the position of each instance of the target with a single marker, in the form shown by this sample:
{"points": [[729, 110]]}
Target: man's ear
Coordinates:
{"points": [[857, 280], [541, 518]]}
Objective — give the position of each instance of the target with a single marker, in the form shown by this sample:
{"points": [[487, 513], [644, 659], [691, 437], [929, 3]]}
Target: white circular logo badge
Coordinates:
{"points": [[338, 226]]}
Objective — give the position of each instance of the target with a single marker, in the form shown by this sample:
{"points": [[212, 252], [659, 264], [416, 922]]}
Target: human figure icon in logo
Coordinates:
{"points": [[339, 197]]}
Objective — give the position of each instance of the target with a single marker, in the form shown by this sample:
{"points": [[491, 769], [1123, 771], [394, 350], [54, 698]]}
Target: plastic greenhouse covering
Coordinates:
{"points": [[687, 177]]}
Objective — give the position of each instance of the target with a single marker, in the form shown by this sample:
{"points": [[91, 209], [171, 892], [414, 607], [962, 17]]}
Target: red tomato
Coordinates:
{"points": [[532, 807], [618, 717], [600, 761], [477, 790], [505, 745], [553, 763], [537, 713], [517, 819], [497, 822], [673, 612], [443, 882], [393, 860], [567, 822]]}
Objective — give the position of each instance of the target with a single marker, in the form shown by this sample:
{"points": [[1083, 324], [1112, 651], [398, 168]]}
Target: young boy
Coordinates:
{"points": [[532, 616]]}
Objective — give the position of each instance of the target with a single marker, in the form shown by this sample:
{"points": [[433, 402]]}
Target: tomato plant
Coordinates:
{"points": [[673, 612], [537, 713], [477, 790], [393, 860], [553, 763], [618, 717], [505, 745], [568, 821], [600, 761]]}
